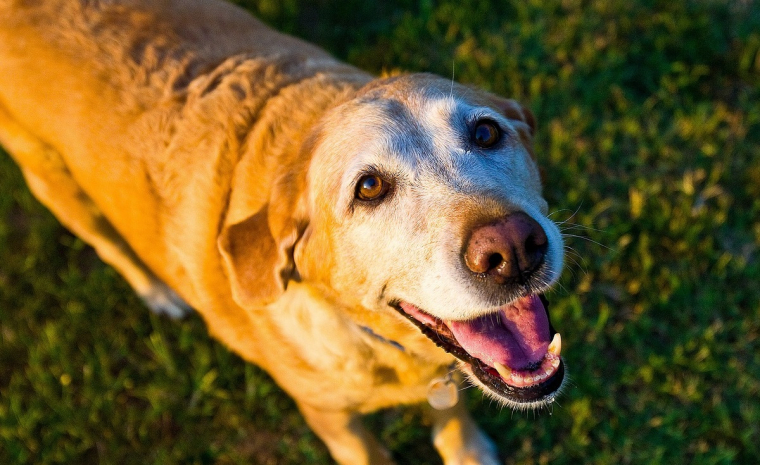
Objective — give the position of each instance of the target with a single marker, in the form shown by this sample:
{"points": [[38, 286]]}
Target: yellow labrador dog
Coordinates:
{"points": [[355, 237]]}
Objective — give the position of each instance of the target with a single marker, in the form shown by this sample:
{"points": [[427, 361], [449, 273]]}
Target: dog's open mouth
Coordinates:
{"points": [[514, 351]]}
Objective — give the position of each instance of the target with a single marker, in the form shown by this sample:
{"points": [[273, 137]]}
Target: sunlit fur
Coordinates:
{"points": [[213, 161]]}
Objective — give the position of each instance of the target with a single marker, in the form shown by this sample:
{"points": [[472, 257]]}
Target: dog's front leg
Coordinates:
{"points": [[345, 436], [459, 440]]}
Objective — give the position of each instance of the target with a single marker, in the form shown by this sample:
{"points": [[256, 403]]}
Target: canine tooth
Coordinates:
{"points": [[503, 370], [556, 345]]}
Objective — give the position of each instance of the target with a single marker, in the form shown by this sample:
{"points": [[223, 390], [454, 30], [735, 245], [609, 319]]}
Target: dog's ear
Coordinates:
{"points": [[515, 111], [520, 115], [258, 262], [258, 236]]}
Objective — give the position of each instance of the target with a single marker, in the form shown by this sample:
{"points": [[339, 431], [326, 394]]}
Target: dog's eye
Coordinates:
{"points": [[486, 133], [371, 187]]}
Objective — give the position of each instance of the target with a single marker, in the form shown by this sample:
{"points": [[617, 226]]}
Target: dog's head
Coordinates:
{"points": [[423, 197]]}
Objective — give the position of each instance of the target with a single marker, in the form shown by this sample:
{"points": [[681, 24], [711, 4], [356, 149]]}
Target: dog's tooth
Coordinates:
{"points": [[556, 345], [503, 370]]}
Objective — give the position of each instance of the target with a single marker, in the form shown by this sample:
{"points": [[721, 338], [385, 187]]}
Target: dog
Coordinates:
{"points": [[364, 240]]}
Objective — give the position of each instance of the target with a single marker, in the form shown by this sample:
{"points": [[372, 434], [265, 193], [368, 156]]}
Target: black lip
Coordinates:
{"points": [[528, 394], [519, 395]]}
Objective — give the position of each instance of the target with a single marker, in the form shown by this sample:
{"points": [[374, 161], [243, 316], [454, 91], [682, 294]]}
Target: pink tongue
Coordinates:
{"points": [[516, 336]]}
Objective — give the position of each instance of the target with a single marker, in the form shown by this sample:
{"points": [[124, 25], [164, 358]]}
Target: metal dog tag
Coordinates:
{"points": [[443, 393]]}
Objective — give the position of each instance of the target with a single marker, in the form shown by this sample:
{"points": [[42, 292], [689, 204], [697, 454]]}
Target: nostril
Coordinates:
{"points": [[536, 245], [494, 260]]}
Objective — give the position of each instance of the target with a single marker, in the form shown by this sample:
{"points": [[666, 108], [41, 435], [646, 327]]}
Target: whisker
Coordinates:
{"points": [[582, 227], [464, 388], [588, 239], [576, 263], [451, 91], [572, 253], [570, 217]]}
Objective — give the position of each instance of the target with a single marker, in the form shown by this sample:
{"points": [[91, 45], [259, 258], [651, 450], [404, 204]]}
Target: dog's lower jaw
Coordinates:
{"points": [[552, 388], [530, 388]]}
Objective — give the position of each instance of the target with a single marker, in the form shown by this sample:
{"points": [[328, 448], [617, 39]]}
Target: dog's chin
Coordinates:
{"points": [[533, 397], [516, 367]]}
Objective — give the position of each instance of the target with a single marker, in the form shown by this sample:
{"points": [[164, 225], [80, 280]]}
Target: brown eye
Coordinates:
{"points": [[486, 134], [371, 187]]}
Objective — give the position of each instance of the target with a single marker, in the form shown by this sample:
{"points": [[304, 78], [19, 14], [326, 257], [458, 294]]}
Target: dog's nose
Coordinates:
{"points": [[507, 250]]}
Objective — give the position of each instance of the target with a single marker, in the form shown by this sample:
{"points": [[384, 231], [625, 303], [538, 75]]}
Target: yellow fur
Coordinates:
{"points": [[178, 138]]}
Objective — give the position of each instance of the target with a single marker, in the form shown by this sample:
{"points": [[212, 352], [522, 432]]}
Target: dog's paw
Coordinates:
{"points": [[162, 300], [474, 458], [479, 450]]}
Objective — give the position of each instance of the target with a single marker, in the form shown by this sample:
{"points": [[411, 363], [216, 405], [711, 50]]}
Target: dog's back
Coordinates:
{"points": [[128, 120], [145, 69]]}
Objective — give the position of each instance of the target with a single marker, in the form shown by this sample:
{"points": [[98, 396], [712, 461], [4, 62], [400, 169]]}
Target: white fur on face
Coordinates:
{"points": [[409, 246]]}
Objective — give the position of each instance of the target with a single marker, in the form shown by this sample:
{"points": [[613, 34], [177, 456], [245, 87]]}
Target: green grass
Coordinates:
{"points": [[649, 138]]}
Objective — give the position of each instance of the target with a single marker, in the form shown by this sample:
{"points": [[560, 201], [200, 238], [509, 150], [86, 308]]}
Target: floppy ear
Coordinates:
{"points": [[522, 118], [258, 236], [258, 263], [515, 111]]}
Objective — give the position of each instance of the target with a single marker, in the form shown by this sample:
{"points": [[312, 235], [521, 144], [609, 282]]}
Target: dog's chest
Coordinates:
{"points": [[331, 350]]}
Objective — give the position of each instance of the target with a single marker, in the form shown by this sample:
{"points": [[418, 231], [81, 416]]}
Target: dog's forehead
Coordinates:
{"points": [[419, 136], [401, 138], [415, 129]]}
